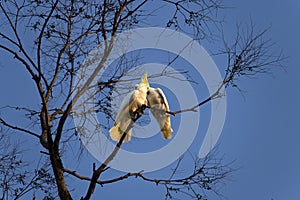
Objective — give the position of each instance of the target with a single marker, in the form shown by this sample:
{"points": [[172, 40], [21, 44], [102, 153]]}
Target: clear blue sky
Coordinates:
{"points": [[261, 131]]}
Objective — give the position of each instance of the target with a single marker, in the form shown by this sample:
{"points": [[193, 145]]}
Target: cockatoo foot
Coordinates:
{"points": [[139, 112]]}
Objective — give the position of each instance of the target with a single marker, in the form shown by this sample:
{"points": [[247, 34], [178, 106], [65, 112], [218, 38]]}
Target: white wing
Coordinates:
{"points": [[132, 106], [122, 120], [158, 104]]}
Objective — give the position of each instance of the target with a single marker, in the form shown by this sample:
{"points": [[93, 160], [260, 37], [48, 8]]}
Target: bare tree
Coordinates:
{"points": [[62, 33], [16, 179]]}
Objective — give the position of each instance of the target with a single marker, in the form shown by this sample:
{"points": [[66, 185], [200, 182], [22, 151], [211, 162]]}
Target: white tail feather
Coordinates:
{"points": [[116, 134]]}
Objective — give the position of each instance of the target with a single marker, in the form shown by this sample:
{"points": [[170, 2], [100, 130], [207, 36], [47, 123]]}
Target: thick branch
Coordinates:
{"points": [[102, 167], [86, 85]]}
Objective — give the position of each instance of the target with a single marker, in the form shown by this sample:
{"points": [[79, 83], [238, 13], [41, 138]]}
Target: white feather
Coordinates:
{"points": [[158, 104], [131, 105]]}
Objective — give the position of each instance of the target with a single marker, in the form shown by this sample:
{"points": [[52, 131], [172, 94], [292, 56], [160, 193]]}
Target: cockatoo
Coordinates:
{"points": [[159, 107], [131, 108]]}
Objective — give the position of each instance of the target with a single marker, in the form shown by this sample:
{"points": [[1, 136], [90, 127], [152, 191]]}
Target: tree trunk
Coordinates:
{"points": [[57, 167]]}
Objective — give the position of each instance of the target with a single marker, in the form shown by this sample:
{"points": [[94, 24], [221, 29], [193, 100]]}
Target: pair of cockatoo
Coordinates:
{"points": [[133, 106]]}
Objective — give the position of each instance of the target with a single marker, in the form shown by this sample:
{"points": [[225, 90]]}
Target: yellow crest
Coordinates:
{"points": [[144, 80]]}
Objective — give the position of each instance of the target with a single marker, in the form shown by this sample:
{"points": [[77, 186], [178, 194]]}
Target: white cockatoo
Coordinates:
{"points": [[159, 107], [131, 107]]}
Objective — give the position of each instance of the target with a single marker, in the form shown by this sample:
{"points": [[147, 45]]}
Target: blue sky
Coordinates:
{"points": [[261, 131]]}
